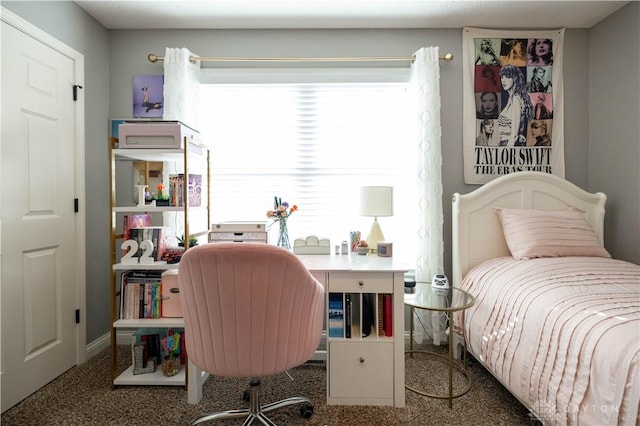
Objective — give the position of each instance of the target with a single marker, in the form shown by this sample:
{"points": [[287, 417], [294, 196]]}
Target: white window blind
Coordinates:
{"points": [[313, 145]]}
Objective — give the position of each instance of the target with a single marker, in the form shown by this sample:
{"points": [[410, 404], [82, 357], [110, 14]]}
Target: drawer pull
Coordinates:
{"points": [[361, 360], [360, 283]]}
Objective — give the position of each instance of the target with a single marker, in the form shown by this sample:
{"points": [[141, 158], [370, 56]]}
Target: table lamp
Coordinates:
{"points": [[376, 201]]}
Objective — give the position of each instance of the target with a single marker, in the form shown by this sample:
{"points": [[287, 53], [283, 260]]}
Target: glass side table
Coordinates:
{"points": [[440, 300]]}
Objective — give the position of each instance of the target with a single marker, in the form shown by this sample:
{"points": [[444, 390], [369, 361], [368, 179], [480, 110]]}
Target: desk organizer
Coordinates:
{"points": [[312, 245], [238, 232]]}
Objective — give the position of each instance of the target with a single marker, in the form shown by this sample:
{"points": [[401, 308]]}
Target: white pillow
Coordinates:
{"points": [[538, 233]]}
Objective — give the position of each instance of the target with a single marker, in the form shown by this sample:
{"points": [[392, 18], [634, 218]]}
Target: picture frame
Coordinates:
{"points": [[385, 249], [148, 96]]}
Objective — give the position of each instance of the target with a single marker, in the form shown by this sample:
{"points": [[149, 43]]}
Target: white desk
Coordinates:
{"points": [[360, 370]]}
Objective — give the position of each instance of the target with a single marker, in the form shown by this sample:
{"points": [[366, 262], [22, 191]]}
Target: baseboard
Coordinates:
{"points": [[123, 337], [97, 346]]}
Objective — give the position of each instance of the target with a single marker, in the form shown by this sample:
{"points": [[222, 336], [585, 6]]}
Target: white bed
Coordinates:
{"points": [[562, 334]]}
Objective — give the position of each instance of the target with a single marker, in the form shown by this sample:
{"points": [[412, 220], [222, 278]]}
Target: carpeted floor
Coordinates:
{"points": [[83, 396]]}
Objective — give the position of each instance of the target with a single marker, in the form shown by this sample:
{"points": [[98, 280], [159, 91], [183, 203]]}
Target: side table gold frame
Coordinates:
{"points": [[412, 300]]}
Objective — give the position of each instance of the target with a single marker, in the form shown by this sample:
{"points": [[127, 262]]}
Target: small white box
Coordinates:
{"points": [[156, 134]]}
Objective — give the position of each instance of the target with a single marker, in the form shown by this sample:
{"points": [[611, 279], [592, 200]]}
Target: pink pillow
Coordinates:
{"points": [[539, 233]]}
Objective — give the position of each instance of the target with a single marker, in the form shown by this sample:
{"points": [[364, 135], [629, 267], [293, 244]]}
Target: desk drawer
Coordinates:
{"points": [[361, 282], [360, 370], [254, 237]]}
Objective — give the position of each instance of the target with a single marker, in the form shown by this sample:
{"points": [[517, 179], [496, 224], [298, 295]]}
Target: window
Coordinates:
{"points": [[313, 145]]}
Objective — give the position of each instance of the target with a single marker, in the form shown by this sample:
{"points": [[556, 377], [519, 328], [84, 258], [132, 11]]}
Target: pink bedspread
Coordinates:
{"points": [[562, 334]]}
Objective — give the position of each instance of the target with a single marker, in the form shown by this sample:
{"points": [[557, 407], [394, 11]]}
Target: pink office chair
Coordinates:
{"points": [[250, 310]]}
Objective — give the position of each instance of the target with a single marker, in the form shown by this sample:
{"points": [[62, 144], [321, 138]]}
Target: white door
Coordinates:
{"points": [[39, 226]]}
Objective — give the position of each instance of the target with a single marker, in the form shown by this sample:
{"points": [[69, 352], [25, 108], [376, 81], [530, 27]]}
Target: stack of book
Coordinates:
{"points": [[141, 295], [176, 190], [158, 235], [360, 315]]}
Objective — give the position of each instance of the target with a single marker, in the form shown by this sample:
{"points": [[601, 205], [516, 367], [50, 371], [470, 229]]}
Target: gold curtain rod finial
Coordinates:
{"points": [[152, 58], [448, 57]]}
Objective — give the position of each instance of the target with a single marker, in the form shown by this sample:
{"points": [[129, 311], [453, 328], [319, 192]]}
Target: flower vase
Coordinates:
{"points": [[283, 236], [170, 366]]}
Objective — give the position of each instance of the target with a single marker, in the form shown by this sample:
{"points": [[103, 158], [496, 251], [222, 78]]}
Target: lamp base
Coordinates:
{"points": [[375, 235]]}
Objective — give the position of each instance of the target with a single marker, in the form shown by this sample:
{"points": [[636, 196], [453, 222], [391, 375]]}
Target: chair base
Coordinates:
{"points": [[256, 412]]}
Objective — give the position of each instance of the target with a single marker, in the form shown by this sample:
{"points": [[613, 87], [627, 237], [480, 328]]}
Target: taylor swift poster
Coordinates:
{"points": [[513, 103]]}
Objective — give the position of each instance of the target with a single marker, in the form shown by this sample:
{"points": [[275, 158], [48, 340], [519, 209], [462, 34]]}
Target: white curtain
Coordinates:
{"points": [[424, 87], [181, 86], [181, 89]]}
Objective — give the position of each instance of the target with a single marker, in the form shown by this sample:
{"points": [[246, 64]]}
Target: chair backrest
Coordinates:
{"points": [[250, 309]]}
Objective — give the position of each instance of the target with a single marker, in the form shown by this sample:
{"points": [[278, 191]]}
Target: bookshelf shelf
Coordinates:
{"points": [[148, 322], [150, 379], [160, 154], [157, 266], [186, 172], [149, 208]]}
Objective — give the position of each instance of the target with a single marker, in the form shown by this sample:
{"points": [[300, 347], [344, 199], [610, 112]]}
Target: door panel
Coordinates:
{"points": [[38, 220]]}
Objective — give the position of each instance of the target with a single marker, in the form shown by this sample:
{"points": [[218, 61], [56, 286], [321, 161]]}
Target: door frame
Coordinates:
{"points": [[79, 273]]}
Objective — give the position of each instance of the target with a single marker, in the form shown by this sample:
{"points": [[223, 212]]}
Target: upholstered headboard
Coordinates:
{"points": [[476, 230]]}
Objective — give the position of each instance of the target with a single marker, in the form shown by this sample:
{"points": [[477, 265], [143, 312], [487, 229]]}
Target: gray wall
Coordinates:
{"points": [[601, 87], [130, 49], [614, 127]]}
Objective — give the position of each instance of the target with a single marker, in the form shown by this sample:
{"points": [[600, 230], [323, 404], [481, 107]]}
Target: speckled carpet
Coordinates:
{"points": [[83, 396]]}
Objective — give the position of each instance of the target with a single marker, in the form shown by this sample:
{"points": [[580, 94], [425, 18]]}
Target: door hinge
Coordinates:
{"points": [[76, 204], [75, 91], [77, 316]]}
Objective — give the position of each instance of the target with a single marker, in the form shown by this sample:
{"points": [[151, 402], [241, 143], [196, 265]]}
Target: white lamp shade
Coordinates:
{"points": [[376, 201]]}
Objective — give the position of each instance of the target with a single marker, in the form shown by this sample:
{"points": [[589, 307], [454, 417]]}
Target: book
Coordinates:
{"points": [[336, 315], [348, 312], [153, 347], [123, 282], [131, 305], [380, 316], [387, 314], [368, 313], [151, 338]]}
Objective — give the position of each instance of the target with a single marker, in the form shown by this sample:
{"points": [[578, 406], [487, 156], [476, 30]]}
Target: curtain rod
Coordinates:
{"points": [[155, 58]]}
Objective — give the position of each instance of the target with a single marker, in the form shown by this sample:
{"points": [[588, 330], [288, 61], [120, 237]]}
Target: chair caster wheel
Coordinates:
{"points": [[246, 396], [306, 411]]}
